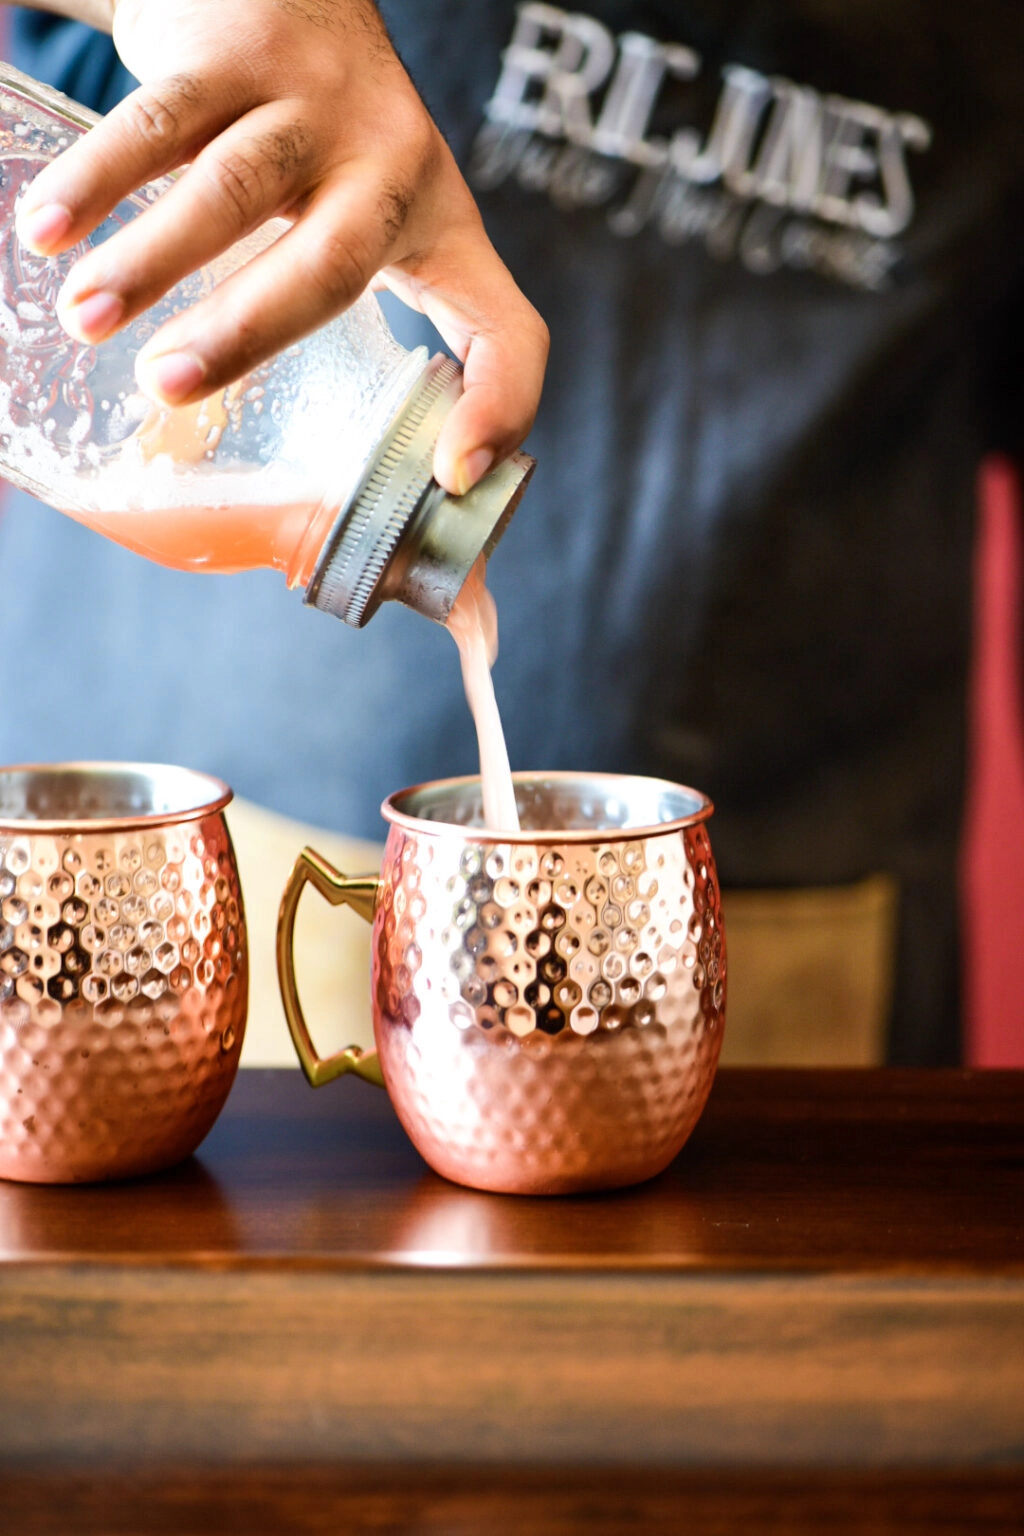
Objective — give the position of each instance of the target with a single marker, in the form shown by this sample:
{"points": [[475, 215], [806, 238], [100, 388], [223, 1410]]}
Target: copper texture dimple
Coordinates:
{"points": [[549, 1010], [123, 969]]}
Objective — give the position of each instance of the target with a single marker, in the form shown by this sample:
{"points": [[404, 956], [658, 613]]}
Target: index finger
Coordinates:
{"points": [[154, 130]]}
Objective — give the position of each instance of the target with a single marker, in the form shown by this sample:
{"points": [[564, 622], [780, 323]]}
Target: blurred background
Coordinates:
{"points": [[333, 949]]}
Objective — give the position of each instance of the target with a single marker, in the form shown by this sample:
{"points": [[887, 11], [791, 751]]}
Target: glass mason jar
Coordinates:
{"points": [[318, 462]]}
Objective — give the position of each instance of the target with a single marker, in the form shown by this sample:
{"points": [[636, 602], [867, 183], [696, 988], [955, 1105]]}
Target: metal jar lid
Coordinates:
{"points": [[402, 535]]}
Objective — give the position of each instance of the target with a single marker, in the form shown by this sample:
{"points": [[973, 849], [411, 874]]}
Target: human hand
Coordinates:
{"points": [[298, 108]]}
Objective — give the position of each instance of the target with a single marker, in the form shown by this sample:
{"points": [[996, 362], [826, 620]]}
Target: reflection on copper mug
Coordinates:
{"points": [[123, 968], [548, 1007]]}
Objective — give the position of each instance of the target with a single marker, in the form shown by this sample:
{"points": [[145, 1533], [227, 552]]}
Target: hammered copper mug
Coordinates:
{"points": [[123, 968], [548, 1007]]}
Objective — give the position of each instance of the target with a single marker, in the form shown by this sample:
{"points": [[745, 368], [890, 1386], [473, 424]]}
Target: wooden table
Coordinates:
{"points": [[814, 1320]]}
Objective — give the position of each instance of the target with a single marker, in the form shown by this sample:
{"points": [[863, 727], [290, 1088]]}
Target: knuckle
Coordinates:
{"points": [[236, 177], [287, 148], [393, 204], [424, 147], [339, 265], [248, 177], [157, 115], [541, 334], [412, 137]]}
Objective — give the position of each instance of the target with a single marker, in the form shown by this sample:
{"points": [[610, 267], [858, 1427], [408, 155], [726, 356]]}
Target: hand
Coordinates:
{"points": [[298, 108]]}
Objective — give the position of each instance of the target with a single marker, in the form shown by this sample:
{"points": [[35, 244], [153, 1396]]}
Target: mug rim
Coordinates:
{"points": [[544, 836], [218, 795]]}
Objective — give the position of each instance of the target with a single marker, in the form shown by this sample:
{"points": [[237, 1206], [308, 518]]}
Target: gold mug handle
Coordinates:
{"points": [[359, 893]]}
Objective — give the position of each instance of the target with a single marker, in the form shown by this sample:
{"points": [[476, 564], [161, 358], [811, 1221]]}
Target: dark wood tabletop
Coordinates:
{"points": [[805, 1172], [818, 1307]]}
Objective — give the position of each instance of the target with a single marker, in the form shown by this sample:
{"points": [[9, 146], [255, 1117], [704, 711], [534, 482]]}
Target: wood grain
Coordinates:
{"points": [[534, 1369], [351, 1501]]}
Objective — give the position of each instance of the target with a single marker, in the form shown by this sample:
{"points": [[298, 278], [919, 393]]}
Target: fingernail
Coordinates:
{"points": [[43, 227], [473, 468], [170, 378], [92, 318]]}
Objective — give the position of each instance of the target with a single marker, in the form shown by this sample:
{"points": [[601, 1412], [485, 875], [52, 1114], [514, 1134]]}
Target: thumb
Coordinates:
{"points": [[502, 343]]}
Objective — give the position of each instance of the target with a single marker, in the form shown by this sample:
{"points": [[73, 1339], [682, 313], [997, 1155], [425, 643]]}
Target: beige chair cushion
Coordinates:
{"points": [[332, 945], [810, 975]]}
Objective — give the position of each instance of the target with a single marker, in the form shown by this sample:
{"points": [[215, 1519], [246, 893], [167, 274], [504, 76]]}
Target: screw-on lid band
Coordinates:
{"points": [[402, 535], [367, 532]]}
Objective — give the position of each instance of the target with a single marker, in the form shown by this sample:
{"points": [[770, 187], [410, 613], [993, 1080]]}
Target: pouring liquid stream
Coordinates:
{"points": [[234, 536], [237, 538], [473, 623]]}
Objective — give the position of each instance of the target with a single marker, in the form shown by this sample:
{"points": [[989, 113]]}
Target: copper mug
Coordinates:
{"points": [[123, 968], [548, 1008]]}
